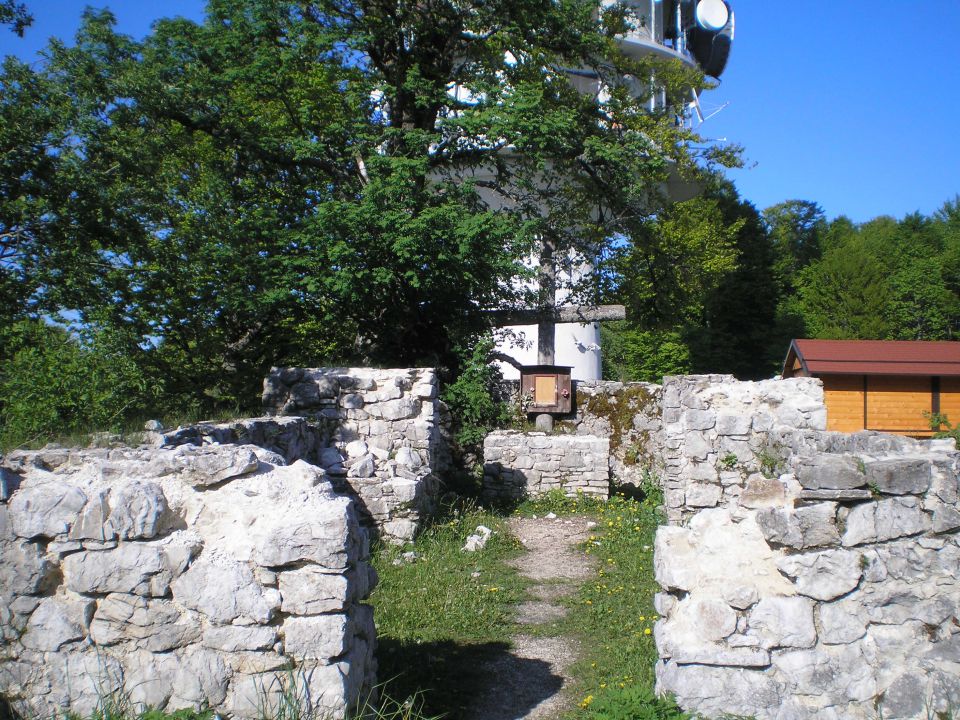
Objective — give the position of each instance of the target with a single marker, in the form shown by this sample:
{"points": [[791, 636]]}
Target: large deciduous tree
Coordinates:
{"points": [[306, 182]]}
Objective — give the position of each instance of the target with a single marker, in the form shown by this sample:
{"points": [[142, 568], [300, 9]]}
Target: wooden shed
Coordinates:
{"points": [[884, 385]]}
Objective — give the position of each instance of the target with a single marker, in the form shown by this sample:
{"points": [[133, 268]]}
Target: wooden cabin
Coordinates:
{"points": [[885, 385]]}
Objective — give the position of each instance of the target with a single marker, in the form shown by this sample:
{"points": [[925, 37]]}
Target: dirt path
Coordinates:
{"points": [[529, 681]]}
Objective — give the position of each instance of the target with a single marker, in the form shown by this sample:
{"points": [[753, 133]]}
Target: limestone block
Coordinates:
{"points": [[410, 458], [716, 691], [331, 460], [696, 446], [24, 570], [56, 622], [703, 495], [784, 622], [311, 591], [133, 568], [706, 619], [805, 527], [352, 401], [318, 637], [831, 472], [139, 512], [906, 696], [356, 449], [154, 625], [901, 476], [91, 524], [331, 539], [824, 575], [225, 590], [404, 491], [698, 419], [838, 495], [207, 465], [80, 680], [45, 509], [761, 492], [842, 622], [734, 424], [364, 467], [148, 678], [393, 410], [200, 679], [946, 518], [884, 520], [237, 638], [840, 671], [400, 529]]}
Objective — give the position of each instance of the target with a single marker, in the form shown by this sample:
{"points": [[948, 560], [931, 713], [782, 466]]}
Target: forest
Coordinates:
{"points": [[294, 183]]}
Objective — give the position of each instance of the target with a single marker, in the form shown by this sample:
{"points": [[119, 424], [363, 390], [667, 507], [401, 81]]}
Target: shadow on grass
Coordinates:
{"points": [[462, 680]]}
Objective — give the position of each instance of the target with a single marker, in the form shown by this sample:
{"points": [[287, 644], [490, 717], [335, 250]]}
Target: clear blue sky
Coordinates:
{"points": [[850, 104]]}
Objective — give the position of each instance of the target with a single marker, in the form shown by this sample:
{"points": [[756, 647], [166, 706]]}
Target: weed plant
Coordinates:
{"points": [[442, 611]]}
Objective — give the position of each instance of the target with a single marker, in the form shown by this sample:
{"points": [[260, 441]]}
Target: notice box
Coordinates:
{"points": [[549, 388]]}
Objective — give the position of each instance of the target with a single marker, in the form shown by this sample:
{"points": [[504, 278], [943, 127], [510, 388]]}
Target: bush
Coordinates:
{"points": [[472, 397], [54, 383]]}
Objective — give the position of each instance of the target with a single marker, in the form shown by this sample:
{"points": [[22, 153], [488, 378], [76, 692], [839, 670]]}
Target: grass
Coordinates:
{"points": [[445, 611]]}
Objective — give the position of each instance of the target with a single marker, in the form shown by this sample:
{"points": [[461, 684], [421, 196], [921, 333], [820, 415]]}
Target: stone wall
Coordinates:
{"points": [[806, 574], [723, 438], [382, 434], [629, 414], [518, 465], [180, 577]]}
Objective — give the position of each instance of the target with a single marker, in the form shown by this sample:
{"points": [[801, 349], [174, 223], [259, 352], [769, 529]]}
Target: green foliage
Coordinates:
{"points": [[472, 397], [631, 354], [52, 382], [15, 15], [287, 184], [632, 702]]}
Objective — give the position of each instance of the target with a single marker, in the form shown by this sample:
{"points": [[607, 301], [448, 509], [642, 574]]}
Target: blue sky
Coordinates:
{"points": [[850, 104]]}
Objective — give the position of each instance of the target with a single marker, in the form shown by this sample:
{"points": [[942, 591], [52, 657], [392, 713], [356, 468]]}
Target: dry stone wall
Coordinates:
{"points": [[518, 465], [180, 577], [629, 414], [806, 574], [382, 434]]}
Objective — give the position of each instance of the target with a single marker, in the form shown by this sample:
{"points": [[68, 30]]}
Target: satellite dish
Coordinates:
{"points": [[712, 14]]}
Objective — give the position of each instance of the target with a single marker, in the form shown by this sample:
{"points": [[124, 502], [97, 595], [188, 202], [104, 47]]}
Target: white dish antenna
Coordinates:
{"points": [[712, 14]]}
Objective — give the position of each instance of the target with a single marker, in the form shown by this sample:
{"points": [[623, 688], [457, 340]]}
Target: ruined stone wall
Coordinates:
{"points": [[518, 465], [806, 574], [180, 577], [629, 414], [381, 433], [723, 438]]}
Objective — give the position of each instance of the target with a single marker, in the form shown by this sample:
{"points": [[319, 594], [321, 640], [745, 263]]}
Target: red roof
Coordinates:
{"points": [[874, 357]]}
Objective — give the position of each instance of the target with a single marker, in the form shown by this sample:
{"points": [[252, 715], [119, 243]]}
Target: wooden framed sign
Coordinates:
{"points": [[548, 388]]}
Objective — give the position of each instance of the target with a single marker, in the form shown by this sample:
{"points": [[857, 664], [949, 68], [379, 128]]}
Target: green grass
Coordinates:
{"points": [[442, 615]]}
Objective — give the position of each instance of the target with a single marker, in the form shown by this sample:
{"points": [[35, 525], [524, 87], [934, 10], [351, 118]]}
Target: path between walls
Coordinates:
{"points": [[530, 681]]}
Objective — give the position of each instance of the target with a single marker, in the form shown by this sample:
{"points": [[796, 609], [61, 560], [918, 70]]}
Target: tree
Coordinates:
{"points": [[796, 228], [15, 15], [291, 170]]}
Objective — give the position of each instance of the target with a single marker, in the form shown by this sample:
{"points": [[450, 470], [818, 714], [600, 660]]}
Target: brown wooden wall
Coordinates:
{"points": [[894, 404]]}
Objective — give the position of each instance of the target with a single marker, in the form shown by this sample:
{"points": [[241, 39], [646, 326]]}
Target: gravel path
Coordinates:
{"points": [[529, 681]]}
